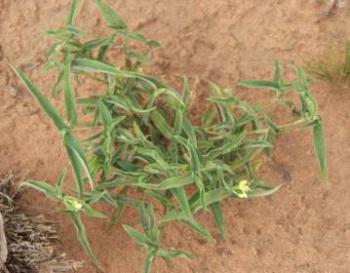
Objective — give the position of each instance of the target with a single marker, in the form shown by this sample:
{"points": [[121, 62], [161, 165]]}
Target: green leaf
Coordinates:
{"points": [[139, 37], [162, 198], [72, 12], [96, 196], [171, 254], [181, 197], [147, 216], [320, 148], [92, 44], [64, 33], [91, 212], [186, 91], [112, 19], [42, 100], [199, 229], [69, 96], [263, 193], [196, 204], [60, 181], [82, 237], [259, 84], [176, 182], [97, 66], [58, 85], [303, 80], [218, 217], [78, 178], [148, 222], [142, 58], [256, 144], [231, 144], [160, 122], [78, 161], [211, 197], [116, 216], [105, 114], [102, 52], [50, 191], [209, 116], [138, 237], [277, 76], [178, 123]]}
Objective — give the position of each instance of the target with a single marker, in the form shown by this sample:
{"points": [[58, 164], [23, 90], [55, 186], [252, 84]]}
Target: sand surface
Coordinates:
{"points": [[301, 229]]}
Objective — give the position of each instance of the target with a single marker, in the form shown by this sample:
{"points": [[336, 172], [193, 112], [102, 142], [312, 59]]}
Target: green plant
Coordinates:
{"points": [[142, 138], [334, 67]]}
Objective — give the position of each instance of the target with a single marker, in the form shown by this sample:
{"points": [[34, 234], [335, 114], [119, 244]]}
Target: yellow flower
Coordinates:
{"points": [[243, 186], [242, 189], [72, 203]]}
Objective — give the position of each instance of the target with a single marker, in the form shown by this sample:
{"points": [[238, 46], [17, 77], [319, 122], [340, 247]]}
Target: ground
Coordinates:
{"points": [[304, 228]]}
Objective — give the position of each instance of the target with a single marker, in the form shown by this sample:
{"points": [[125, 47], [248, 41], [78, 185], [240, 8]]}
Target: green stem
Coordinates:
{"points": [[284, 127]]}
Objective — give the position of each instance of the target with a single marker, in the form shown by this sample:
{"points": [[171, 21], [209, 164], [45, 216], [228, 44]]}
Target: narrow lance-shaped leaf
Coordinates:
{"points": [[162, 198], [149, 222], [116, 216], [262, 193], [198, 229], [138, 237], [259, 84], [181, 196], [47, 189], [74, 8], [110, 16], [60, 181], [277, 77], [56, 90], [218, 217], [69, 96], [303, 80], [92, 44], [105, 114], [97, 66], [138, 37], [92, 212], [347, 58], [234, 142], [100, 67], [178, 123], [102, 52], [171, 254], [211, 197], [78, 178], [82, 237], [186, 91], [78, 161], [176, 182], [320, 148], [160, 122], [42, 100]]}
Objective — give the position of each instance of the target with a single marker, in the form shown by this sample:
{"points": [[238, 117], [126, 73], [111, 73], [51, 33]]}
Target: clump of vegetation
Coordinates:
{"points": [[29, 240], [142, 138], [334, 67]]}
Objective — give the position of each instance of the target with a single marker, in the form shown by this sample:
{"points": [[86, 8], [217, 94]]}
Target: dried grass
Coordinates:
{"points": [[30, 240]]}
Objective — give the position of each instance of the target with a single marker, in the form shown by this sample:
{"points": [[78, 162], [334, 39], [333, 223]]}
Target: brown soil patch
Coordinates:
{"points": [[301, 229]]}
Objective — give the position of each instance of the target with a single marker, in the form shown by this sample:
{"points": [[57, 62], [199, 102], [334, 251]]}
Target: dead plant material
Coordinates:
{"points": [[30, 240]]}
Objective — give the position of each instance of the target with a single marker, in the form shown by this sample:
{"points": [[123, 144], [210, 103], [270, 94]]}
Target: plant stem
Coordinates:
{"points": [[284, 127]]}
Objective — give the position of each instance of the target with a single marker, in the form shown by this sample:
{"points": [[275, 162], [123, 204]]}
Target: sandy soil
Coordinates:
{"points": [[302, 229]]}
